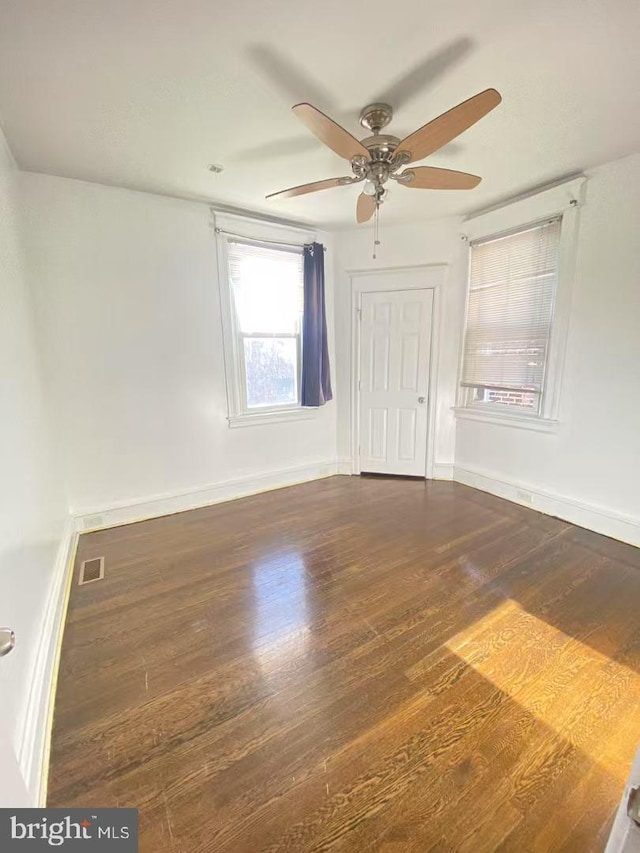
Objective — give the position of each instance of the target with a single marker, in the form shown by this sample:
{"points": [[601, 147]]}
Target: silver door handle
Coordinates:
{"points": [[7, 641], [421, 399]]}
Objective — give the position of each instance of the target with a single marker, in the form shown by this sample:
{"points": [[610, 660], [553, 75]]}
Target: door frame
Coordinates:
{"points": [[430, 277]]}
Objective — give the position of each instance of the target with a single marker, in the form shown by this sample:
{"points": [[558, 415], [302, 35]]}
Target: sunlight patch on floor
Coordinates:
{"points": [[578, 692]]}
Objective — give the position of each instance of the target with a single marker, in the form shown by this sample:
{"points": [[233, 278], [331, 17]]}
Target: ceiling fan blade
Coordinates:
{"points": [[430, 178], [365, 208], [313, 187], [327, 131], [446, 127]]}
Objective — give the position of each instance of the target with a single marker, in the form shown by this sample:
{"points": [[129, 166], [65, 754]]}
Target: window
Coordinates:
{"points": [[512, 287], [266, 289]]}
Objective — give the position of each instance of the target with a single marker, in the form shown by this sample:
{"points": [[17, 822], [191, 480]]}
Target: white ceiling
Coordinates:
{"points": [[146, 93]]}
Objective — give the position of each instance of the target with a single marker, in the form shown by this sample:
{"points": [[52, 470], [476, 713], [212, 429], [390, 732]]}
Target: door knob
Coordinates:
{"points": [[7, 641], [421, 399]]}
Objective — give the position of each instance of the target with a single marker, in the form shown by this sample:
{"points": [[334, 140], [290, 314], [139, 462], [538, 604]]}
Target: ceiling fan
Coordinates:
{"points": [[382, 157]]}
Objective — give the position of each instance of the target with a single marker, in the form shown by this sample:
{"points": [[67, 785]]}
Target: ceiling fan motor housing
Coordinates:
{"points": [[381, 146]]}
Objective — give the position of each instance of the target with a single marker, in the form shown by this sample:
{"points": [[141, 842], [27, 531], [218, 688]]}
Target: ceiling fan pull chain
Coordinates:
{"points": [[376, 231]]}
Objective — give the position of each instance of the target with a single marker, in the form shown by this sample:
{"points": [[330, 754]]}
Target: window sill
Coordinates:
{"points": [[278, 417], [531, 422]]}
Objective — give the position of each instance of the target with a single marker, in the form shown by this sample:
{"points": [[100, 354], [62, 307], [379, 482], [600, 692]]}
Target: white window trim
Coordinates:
{"points": [[562, 200], [251, 229], [505, 417]]}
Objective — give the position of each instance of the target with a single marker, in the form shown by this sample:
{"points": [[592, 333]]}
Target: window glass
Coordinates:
{"points": [[271, 371], [267, 294], [511, 293]]}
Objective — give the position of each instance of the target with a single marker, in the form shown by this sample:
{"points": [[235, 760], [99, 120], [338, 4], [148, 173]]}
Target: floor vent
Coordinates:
{"points": [[91, 570]]}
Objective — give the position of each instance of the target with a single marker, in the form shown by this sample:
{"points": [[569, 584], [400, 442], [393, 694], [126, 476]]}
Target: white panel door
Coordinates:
{"points": [[395, 349]]}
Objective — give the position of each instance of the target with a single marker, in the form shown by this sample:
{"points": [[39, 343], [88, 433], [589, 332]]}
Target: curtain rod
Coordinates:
{"points": [[262, 240]]}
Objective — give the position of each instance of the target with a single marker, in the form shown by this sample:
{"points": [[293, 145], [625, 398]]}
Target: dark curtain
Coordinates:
{"points": [[316, 380]]}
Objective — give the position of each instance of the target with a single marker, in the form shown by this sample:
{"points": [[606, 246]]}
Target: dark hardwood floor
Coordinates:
{"points": [[356, 665]]}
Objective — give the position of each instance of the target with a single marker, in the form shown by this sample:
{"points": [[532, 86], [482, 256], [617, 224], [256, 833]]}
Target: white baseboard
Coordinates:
{"points": [[345, 465], [626, 528], [128, 512], [33, 752], [443, 471]]}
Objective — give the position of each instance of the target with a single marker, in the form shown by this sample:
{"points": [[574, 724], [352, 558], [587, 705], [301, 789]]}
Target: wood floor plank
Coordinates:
{"points": [[353, 664]]}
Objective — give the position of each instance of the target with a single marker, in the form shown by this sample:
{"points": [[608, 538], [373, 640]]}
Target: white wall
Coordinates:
{"points": [[127, 304], [32, 505], [403, 246], [594, 458], [126, 292]]}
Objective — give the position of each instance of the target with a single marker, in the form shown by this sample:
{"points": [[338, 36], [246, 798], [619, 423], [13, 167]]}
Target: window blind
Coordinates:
{"points": [[511, 293], [267, 286]]}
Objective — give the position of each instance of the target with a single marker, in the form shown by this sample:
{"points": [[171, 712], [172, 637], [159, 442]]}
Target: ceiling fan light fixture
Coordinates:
{"points": [[369, 188]]}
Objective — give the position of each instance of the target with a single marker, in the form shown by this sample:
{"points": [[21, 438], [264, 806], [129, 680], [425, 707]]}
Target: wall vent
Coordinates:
{"points": [[91, 570]]}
